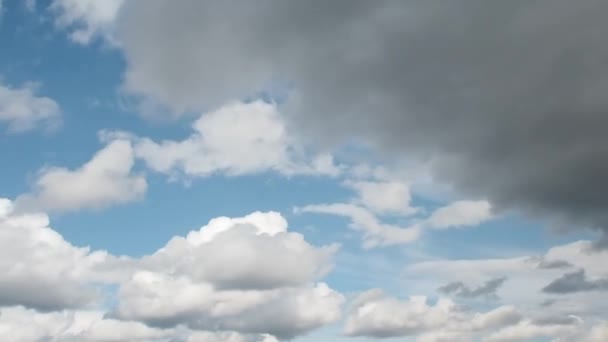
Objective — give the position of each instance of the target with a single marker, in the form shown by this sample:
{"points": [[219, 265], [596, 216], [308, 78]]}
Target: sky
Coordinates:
{"points": [[197, 171]]}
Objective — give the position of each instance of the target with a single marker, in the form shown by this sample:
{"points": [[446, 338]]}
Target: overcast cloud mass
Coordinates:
{"points": [[506, 98]]}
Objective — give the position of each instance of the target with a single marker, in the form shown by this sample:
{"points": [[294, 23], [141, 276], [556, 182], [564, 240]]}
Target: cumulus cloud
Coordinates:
{"points": [[226, 276], [251, 245], [487, 290], [104, 180], [239, 138], [21, 109], [520, 87], [222, 278], [40, 270], [375, 314], [163, 300]]}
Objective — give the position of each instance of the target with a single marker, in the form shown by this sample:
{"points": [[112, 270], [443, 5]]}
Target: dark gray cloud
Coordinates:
{"points": [[507, 98], [459, 289], [556, 320], [576, 282], [543, 263]]}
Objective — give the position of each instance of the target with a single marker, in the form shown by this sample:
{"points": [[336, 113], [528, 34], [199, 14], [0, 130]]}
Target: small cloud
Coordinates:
{"points": [[487, 290]]}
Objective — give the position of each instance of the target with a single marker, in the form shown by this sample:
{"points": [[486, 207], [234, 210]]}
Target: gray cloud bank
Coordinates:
{"points": [[576, 282], [506, 98]]}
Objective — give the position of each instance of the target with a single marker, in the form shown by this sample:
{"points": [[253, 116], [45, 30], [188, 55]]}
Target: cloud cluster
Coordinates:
{"points": [[570, 289], [375, 314], [365, 215], [243, 278], [228, 276]]}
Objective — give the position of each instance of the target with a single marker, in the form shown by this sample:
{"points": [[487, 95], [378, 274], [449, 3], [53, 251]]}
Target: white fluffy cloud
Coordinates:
{"points": [[250, 245], [239, 138], [21, 109], [227, 276], [104, 180], [247, 275], [39, 269]]}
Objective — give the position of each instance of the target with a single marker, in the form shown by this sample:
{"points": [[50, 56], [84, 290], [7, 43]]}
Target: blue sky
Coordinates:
{"points": [[201, 172]]}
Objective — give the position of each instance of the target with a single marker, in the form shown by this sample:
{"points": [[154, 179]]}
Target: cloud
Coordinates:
{"points": [[526, 280], [41, 270], [375, 314], [460, 214], [24, 325], [543, 263], [375, 233], [575, 282], [487, 290], [598, 333], [251, 245], [225, 276], [22, 110], [105, 180], [164, 301], [86, 19], [19, 324], [384, 197], [510, 109], [236, 139], [568, 329], [205, 336]]}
